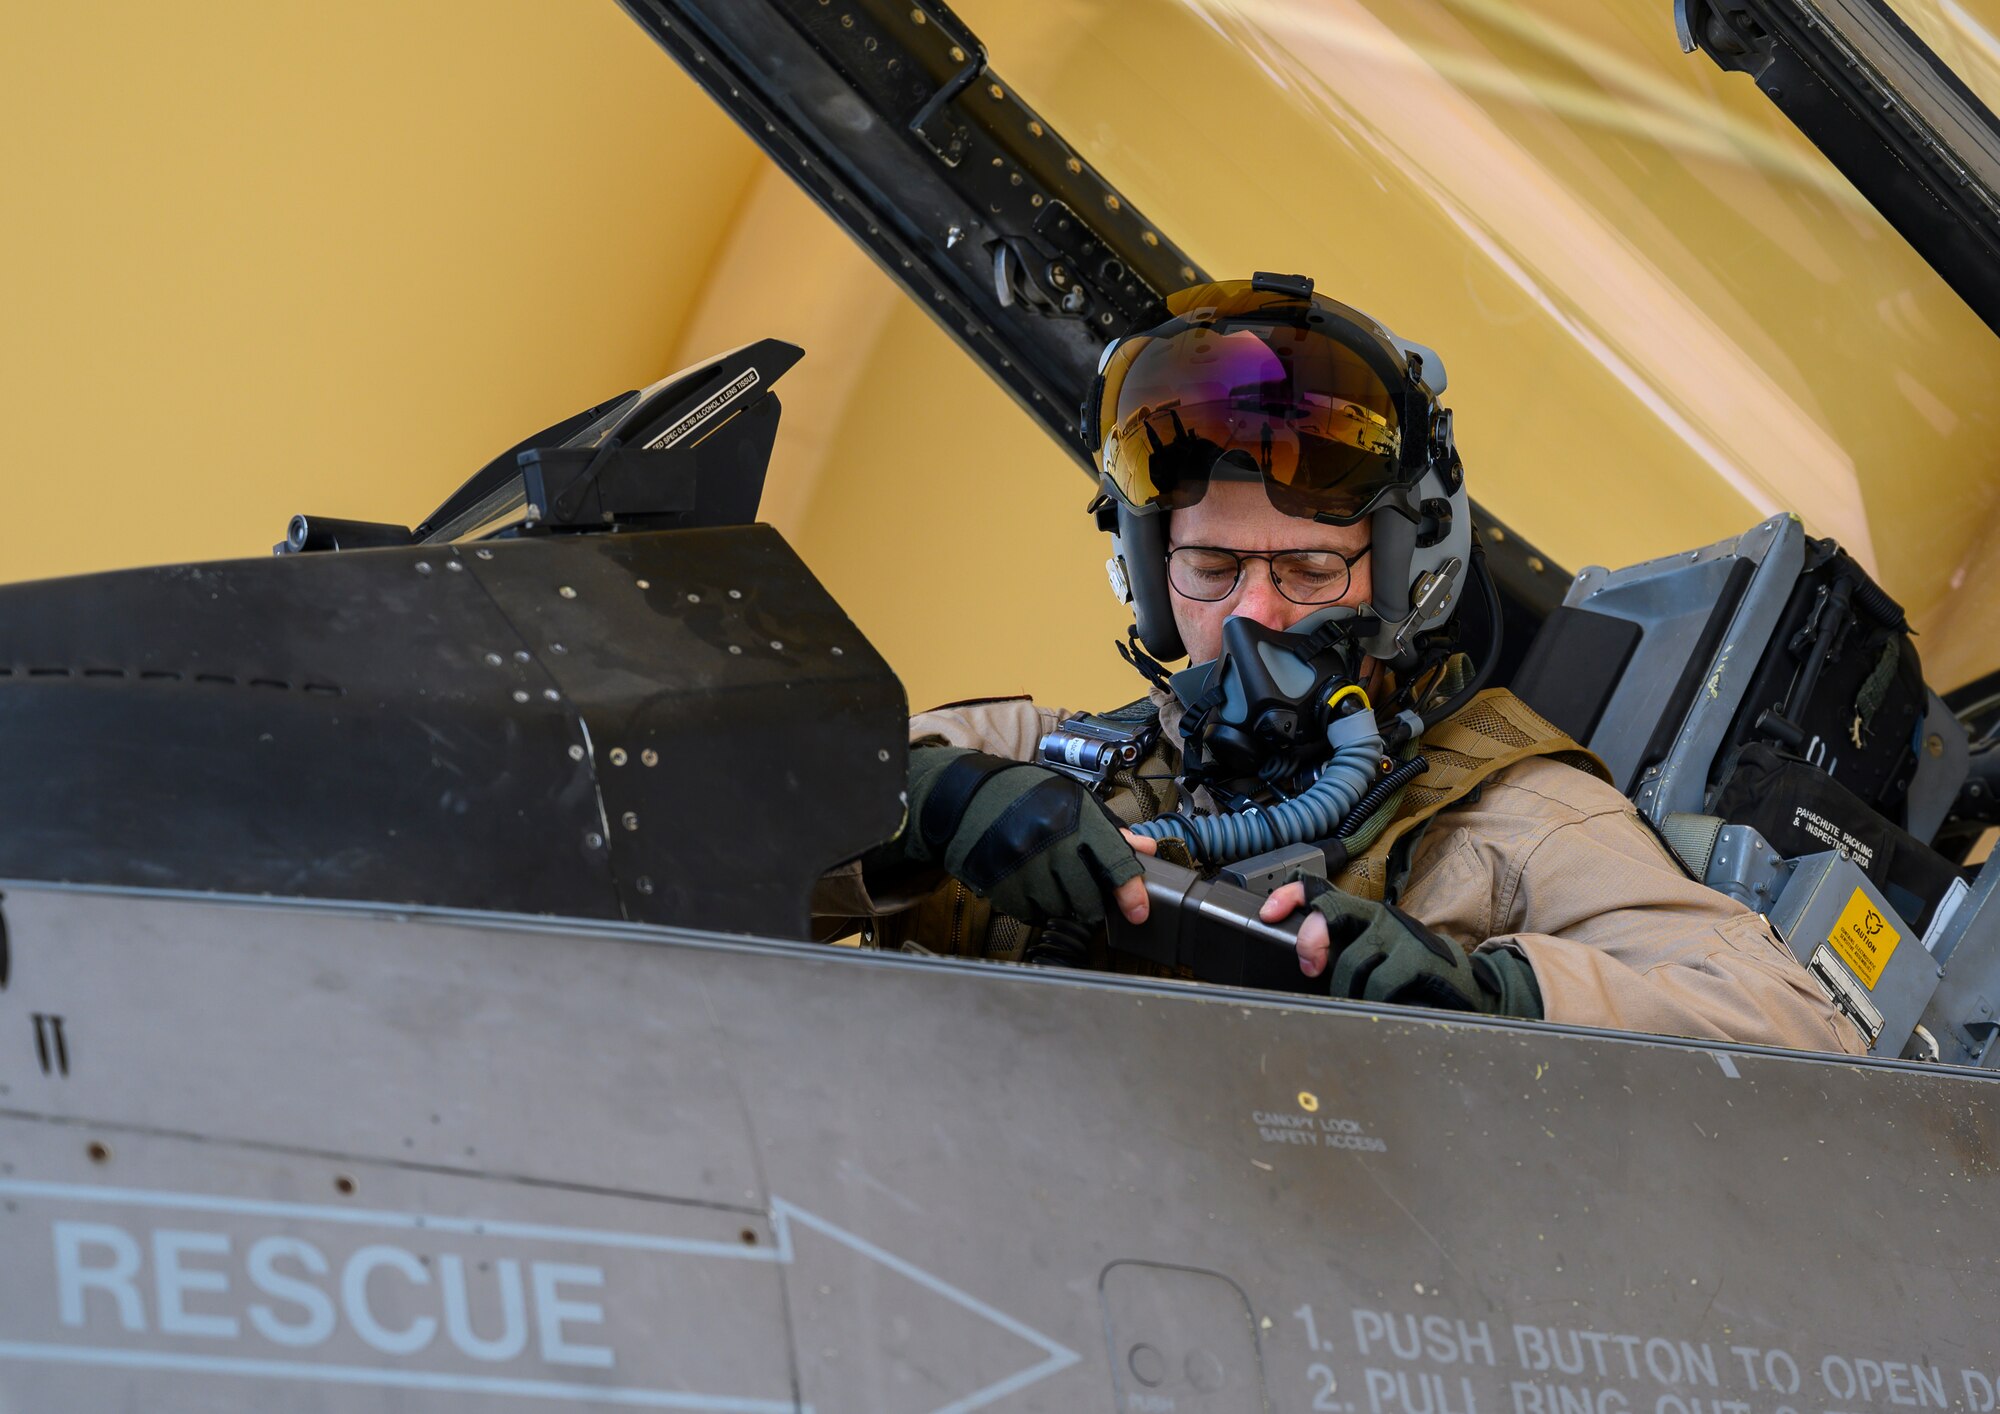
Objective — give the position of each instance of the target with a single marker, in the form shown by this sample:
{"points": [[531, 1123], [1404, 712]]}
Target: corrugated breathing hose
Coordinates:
{"points": [[1313, 814]]}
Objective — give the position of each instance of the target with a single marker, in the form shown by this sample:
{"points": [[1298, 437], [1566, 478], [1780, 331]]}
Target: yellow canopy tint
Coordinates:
{"points": [[1664, 313]]}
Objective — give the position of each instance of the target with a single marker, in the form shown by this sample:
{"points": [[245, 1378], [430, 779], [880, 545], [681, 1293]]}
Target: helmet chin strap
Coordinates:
{"points": [[1143, 663]]}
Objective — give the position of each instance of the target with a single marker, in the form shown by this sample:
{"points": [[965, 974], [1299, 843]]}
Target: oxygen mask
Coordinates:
{"points": [[1261, 712]]}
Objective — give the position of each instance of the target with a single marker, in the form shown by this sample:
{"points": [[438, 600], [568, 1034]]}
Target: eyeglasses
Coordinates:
{"points": [[1206, 573]]}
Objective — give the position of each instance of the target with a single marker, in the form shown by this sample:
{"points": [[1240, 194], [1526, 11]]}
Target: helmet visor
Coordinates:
{"points": [[1245, 383]]}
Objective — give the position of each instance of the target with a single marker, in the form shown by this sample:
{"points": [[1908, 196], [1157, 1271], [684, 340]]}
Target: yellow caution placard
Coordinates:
{"points": [[1863, 939]]}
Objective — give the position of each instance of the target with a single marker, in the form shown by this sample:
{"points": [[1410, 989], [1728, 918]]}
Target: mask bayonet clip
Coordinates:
{"points": [[1428, 601]]}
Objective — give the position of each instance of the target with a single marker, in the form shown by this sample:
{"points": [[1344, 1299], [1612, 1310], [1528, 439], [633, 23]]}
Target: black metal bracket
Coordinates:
{"points": [[959, 190], [634, 488], [1063, 271], [1896, 121], [692, 450], [1296, 286]]}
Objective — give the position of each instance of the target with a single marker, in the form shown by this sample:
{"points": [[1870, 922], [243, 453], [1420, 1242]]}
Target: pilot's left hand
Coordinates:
{"points": [[1381, 954]]}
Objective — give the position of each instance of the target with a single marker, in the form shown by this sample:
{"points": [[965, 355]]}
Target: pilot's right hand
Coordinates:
{"points": [[1032, 842], [1381, 954]]}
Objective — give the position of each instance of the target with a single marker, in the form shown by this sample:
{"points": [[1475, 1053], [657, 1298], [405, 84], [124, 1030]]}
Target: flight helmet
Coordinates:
{"points": [[1263, 380]]}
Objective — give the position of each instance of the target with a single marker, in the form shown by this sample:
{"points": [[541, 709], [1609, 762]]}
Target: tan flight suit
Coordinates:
{"points": [[1540, 857]]}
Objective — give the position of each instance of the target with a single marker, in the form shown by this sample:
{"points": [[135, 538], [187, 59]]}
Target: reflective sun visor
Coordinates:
{"points": [[1244, 383]]}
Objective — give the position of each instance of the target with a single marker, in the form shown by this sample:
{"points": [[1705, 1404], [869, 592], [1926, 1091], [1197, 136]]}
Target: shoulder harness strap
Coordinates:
{"points": [[1146, 788], [1489, 734]]}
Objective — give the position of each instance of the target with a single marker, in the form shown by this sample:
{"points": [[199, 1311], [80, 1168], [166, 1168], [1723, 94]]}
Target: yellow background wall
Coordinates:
{"points": [[262, 259], [265, 259]]}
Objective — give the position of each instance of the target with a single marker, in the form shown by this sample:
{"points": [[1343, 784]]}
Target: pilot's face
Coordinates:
{"points": [[1237, 515]]}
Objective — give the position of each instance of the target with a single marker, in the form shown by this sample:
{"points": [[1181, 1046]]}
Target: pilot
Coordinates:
{"points": [[1288, 512]]}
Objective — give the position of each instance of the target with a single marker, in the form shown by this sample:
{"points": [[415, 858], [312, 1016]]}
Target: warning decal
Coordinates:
{"points": [[709, 407], [1863, 938]]}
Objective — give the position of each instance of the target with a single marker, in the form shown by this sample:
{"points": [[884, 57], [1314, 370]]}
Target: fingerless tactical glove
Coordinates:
{"points": [[1381, 954], [1034, 844]]}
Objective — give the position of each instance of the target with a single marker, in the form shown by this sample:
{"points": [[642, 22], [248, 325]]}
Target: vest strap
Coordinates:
{"points": [[1489, 734]]}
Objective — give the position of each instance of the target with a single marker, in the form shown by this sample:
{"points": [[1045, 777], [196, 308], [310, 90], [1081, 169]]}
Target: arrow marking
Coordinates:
{"points": [[783, 1215], [1059, 1357]]}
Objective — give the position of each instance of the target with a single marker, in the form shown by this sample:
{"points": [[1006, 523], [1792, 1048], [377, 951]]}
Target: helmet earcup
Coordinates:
{"points": [[1399, 558], [1141, 542]]}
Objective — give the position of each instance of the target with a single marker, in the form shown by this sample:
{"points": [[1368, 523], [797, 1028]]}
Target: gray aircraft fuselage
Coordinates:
{"points": [[259, 1155]]}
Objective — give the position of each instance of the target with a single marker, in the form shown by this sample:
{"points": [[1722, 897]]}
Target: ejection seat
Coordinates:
{"points": [[1762, 703]]}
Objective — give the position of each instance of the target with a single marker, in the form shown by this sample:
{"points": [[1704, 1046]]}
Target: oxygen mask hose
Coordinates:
{"points": [[1315, 813]]}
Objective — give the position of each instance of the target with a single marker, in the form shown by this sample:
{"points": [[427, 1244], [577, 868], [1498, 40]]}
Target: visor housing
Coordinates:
{"points": [[1241, 383]]}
